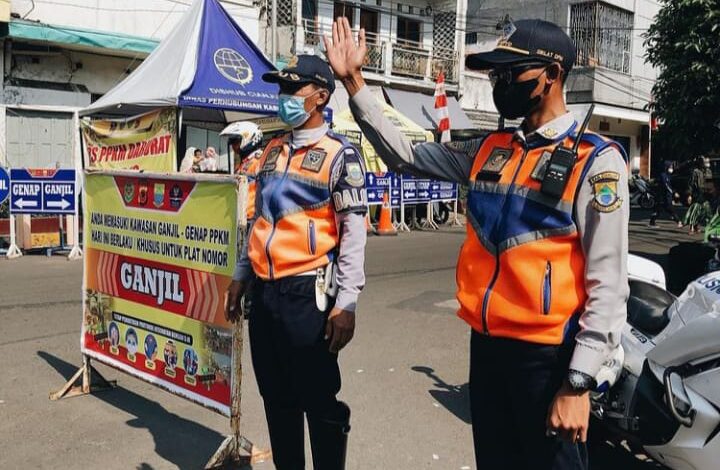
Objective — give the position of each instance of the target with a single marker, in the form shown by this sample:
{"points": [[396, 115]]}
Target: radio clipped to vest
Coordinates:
{"points": [[561, 163]]}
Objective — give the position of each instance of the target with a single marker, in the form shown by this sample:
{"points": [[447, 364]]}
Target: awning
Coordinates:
{"points": [[615, 112], [339, 98], [343, 123], [84, 38], [420, 108]]}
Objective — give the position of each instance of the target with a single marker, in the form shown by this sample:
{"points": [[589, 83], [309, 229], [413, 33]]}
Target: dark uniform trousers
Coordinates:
{"points": [[512, 384], [297, 374]]}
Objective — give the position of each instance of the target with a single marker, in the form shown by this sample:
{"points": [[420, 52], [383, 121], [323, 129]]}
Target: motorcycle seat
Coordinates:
{"points": [[647, 308]]}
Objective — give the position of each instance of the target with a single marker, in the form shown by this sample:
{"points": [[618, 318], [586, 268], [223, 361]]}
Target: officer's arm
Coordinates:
{"points": [[603, 227], [349, 199], [451, 162]]}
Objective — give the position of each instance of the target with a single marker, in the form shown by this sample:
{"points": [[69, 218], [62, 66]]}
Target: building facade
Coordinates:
{"points": [[610, 72], [409, 43], [61, 55]]}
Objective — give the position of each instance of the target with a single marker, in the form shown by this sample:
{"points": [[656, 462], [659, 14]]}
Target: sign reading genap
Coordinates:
{"points": [[42, 191]]}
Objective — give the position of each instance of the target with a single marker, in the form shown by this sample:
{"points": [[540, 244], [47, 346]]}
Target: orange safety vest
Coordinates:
{"points": [[294, 231], [249, 168], [521, 270]]}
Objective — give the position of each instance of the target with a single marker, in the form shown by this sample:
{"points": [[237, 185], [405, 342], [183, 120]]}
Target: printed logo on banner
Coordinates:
{"points": [[150, 189], [129, 192], [233, 66], [142, 194], [176, 196]]}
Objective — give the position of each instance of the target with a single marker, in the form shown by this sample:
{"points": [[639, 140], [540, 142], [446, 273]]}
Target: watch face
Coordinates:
{"points": [[579, 381]]}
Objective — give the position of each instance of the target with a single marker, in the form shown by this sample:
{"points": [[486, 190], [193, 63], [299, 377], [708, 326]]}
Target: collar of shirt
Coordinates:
{"points": [[306, 137], [552, 131]]}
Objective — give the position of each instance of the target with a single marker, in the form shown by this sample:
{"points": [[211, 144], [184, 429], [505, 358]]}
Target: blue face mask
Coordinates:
{"points": [[291, 110]]}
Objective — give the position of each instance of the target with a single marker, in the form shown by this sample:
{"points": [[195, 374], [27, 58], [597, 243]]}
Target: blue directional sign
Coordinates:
{"points": [[42, 191], [376, 185], [415, 190], [443, 191], [4, 184]]}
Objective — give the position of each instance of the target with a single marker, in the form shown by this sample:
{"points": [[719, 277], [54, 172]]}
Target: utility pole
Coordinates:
{"points": [[273, 29]]}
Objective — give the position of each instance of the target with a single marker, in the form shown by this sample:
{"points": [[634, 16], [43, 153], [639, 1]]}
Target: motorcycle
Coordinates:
{"points": [[640, 192], [661, 390]]}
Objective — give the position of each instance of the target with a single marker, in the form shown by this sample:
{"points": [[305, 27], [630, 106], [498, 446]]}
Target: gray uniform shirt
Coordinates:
{"points": [[604, 235], [350, 268]]}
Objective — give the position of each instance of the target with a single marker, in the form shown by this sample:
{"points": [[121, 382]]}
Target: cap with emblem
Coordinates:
{"points": [[530, 40], [304, 69]]}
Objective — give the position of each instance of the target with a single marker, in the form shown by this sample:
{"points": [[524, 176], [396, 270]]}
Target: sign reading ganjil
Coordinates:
{"points": [[160, 252]]}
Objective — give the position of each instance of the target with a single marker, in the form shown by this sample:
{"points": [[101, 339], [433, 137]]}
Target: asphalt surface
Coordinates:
{"points": [[404, 374]]}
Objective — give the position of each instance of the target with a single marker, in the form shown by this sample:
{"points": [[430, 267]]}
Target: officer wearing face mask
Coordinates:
{"points": [[541, 277], [306, 247]]}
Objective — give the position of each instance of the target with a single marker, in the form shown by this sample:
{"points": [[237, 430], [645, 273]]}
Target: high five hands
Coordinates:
{"points": [[345, 55]]}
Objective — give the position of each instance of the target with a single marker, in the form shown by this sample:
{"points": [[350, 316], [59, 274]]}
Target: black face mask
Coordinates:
{"points": [[513, 100]]}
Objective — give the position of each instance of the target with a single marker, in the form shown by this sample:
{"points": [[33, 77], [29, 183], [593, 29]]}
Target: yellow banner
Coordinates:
{"points": [[146, 142], [160, 253]]}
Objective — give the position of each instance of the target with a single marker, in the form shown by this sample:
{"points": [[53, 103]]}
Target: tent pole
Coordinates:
{"points": [[274, 31]]}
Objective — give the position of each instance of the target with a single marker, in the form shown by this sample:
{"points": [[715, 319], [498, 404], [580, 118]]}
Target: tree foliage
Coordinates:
{"points": [[684, 44]]}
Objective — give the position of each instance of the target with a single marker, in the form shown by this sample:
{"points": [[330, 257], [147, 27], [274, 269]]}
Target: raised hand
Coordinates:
{"points": [[346, 56]]}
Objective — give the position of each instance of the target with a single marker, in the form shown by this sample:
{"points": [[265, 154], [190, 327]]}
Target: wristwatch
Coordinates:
{"points": [[580, 381]]}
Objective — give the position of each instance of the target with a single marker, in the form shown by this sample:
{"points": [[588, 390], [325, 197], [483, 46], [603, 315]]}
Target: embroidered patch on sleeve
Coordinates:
{"points": [[354, 175], [604, 186], [314, 160]]}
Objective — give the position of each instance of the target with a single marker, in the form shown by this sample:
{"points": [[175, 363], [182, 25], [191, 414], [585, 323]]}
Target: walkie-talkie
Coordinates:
{"points": [[561, 163]]}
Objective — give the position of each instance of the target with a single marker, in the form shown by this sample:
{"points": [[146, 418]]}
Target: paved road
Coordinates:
{"points": [[405, 374]]}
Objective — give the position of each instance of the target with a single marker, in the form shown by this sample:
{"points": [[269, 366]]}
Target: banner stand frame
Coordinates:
{"points": [[455, 220], [13, 250], [87, 372], [230, 450], [429, 223]]}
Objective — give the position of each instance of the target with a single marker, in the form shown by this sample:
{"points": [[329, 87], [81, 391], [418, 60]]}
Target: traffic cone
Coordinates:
{"points": [[368, 225], [385, 226]]}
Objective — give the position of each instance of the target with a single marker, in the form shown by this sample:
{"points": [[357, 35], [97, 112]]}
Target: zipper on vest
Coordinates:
{"points": [[272, 232], [311, 237], [547, 288], [501, 219]]}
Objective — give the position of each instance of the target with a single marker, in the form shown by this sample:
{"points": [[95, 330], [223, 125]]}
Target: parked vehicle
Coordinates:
{"points": [[661, 391], [641, 193]]}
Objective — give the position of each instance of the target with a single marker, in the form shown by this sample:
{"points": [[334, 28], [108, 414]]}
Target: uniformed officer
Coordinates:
{"points": [[542, 277], [245, 140], [307, 240]]}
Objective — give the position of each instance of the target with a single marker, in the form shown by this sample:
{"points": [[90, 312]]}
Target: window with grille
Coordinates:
{"points": [[602, 34], [285, 14]]}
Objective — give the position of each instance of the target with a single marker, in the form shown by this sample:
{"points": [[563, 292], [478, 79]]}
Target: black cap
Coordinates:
{"points": [[304, 69], [531, 40]]}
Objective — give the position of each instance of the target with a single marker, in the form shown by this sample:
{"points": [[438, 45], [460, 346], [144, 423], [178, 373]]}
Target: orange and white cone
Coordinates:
{"points": [[385, 225]]}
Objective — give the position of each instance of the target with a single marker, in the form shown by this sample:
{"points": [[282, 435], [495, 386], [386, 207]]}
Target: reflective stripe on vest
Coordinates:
{"points": [[250, 168], [295, 230], [521, 269]]}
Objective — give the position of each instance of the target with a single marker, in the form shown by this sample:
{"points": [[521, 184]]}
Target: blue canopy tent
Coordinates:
{"points": [[206, 67]]}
